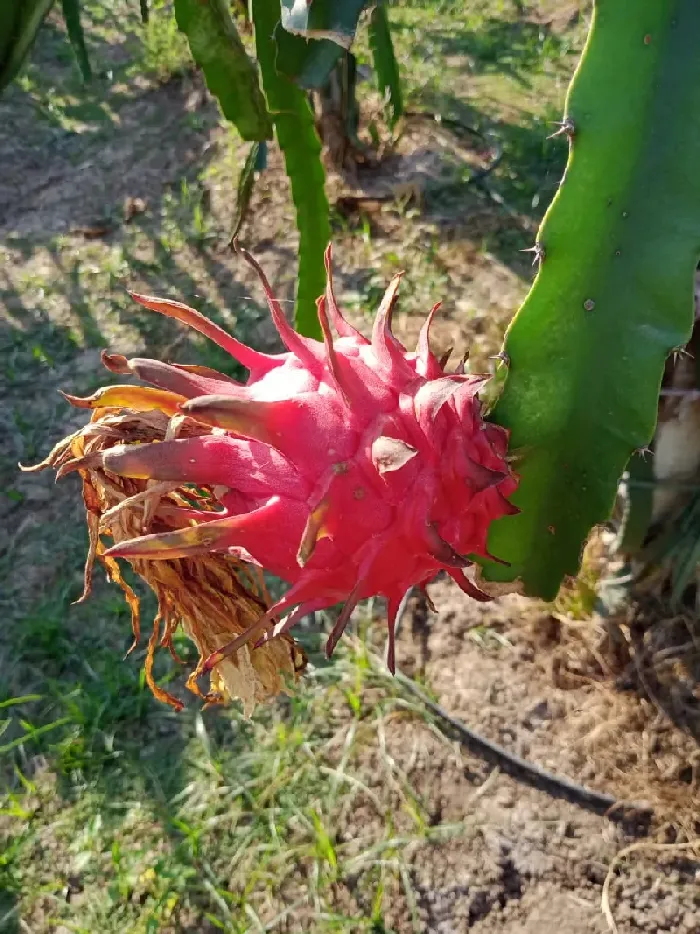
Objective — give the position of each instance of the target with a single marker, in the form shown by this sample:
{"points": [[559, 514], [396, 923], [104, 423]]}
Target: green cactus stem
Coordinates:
{"points": [[613, 294]]}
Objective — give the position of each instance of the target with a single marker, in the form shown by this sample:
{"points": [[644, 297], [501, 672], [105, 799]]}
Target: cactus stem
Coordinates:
{"points": [[591, 340]]}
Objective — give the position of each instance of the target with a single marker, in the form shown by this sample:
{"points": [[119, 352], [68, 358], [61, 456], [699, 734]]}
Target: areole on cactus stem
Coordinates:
{"points": [[349, 468]]}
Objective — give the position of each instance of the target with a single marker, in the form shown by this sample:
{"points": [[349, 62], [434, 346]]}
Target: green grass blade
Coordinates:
{"points": [[301, 148], [34, 733], [76, 36], [614, 294], [385, 65], [230, 74], [19, 24], [24, 699]]}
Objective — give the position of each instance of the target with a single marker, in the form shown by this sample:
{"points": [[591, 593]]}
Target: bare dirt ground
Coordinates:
{"points": [[145, 201], [535, 863]]}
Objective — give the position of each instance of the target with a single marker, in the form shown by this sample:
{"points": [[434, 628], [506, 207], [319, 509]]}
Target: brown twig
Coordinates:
{"points": [[617, 859]]}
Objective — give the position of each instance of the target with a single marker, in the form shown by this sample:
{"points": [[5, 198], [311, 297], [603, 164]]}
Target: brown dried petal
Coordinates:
{"points": [[214, 597]]}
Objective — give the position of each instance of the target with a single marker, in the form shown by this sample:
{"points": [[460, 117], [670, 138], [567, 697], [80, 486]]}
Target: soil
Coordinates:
{"points": [[529, 863], [534, 863]]}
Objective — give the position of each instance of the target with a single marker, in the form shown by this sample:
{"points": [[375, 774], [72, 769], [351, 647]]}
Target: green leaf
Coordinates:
{"points": [[301, 148], [230, 74], [324, 844], [614, 294], [71, 15], [19, 24], [385, 64], [335, 20]]}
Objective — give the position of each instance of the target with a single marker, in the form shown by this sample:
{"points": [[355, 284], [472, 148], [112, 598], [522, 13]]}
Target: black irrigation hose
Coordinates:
{"points": [[460, 128], [450, 123], [521, 769]]}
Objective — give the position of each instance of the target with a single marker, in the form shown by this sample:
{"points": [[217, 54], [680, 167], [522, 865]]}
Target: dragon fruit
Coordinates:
{"points": [[349, 468]]}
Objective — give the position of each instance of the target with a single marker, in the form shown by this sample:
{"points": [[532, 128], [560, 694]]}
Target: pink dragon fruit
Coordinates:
{"points": [[349, 468]]}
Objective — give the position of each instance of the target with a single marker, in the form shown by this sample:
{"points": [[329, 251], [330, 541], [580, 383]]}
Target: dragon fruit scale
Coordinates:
{"points": [[349, 468]]}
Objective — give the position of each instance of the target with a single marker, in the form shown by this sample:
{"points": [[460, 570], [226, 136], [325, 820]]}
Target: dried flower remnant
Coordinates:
{"points": [[215, 597]]}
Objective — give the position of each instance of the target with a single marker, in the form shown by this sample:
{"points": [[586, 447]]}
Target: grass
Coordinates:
{"points": [[154, 815], [117, 814]]}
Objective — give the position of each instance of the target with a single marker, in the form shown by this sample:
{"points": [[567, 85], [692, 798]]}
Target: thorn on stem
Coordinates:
{"points": [[680, 352], [566, 128], [538, 251], [502, 357]]}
